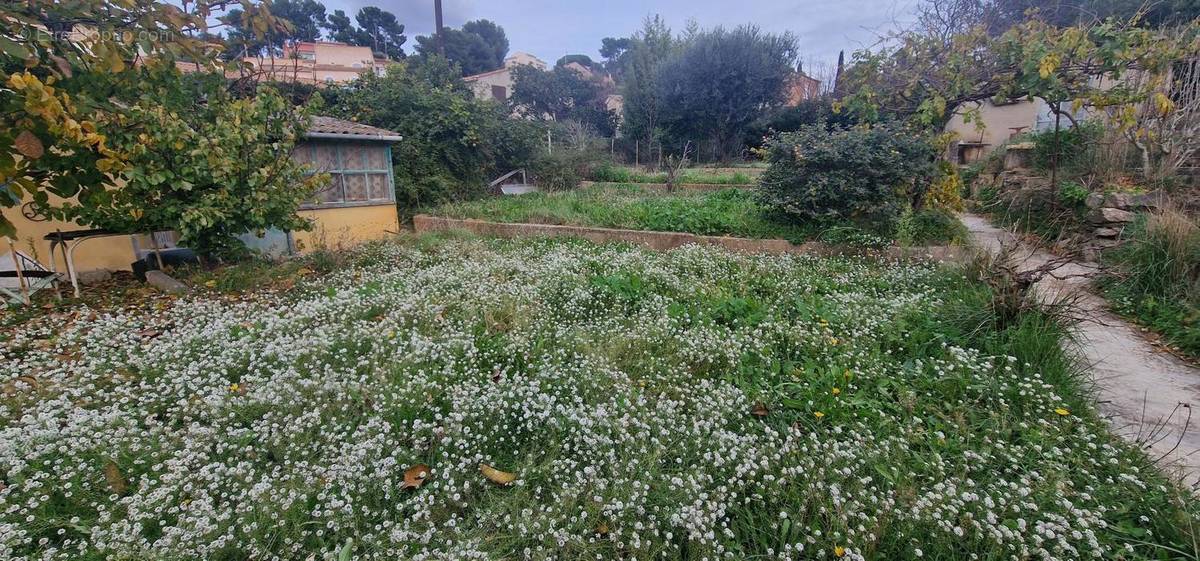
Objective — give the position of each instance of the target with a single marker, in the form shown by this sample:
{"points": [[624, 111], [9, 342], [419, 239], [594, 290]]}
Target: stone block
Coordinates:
{"points": [[165, 282], [1108, 215]]}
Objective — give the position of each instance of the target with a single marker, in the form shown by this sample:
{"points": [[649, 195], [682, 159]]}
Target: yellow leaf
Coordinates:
{"points": [[496, 476], [415, 476], [1063, 412]]}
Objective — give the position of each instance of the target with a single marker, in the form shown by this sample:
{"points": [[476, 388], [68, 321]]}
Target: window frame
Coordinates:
{"points": [[337, 175]]}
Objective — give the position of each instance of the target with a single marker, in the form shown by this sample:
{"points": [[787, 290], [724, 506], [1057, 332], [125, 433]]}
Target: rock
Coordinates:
{"points": [[165, 283], [1107, 232], [95, 276], [1094, 200], [1107, 215], [1018, 156], [1117, 200]]}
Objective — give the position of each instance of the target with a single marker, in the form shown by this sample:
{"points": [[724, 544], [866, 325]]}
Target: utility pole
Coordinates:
{"points": [[437, 16]]}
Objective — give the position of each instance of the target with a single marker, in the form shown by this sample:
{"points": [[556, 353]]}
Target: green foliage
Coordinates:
{"points": [[852, 173], [788, 119], [734, 212], [1073, 147], [562, 169], [561, 94], [617, 174], [209, 171], [927, 74], [930, 226], [304, 18], [1157, 277], [376, 28], [646, 52], [720, 82], [453, 143], [1072, 193], [57, 88], [480, 46], [584, 60]]}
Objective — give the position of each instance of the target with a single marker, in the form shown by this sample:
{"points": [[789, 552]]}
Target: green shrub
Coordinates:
{"points": [[1072, 193], [1156, 277], [1074, 146], [930, 226], [563, 169], [846, 173]]}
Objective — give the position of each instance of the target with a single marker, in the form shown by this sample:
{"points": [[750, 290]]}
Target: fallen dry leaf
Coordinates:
{"points": [[149, 333], [602, 529], [759, 410], [116, 481], [415, 476], [29, 145], [496, 476]]}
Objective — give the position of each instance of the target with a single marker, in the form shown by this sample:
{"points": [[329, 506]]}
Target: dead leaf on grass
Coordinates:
{"points": [[496, 476], [415, 476], [759, 410], [116, 481], [149, 333]]}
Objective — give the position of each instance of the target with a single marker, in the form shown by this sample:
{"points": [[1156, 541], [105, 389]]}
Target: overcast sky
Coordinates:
{"points": [[550, 29]]}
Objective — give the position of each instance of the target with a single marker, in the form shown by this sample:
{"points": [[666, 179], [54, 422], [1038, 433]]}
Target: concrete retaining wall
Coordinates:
{"points": [[668, 240]]}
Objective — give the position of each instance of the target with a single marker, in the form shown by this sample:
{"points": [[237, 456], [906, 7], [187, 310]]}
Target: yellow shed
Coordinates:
{"points": [[358, 205]]}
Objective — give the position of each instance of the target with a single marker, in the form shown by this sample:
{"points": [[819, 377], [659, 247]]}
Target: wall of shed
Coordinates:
{"points": [[343, 227]]}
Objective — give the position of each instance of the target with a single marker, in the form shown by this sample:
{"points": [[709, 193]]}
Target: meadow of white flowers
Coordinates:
{"points": [[694, 404]]}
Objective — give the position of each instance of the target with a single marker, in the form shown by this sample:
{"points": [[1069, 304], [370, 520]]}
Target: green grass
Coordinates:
{"points": [[615, 174], [1155, 277], [731, 212]]}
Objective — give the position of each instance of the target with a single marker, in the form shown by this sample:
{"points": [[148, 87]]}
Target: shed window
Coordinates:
{"points": [[359, 173]]}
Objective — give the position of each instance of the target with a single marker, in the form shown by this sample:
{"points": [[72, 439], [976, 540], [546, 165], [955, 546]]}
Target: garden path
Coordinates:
{"points": [[1145, 393]]}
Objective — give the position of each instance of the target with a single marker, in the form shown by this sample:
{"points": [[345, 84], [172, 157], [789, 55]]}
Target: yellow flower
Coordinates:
{"points": [[833, 341], [233, 388], [819, 414], [1063, 412], [839, 551], [836, 391]]}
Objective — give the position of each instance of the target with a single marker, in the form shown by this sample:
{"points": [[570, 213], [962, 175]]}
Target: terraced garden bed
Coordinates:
{"points": [[728, 212]]}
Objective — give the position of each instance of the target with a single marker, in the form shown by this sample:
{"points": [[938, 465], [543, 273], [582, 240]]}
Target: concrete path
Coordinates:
{"points": [[1145, 393]]}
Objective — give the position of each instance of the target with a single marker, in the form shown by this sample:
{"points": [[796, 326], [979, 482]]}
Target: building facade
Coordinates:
{"points": [[497, 84], [356, 206], [319, 62]]}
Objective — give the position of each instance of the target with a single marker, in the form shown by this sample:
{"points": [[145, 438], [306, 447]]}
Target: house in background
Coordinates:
{"points": [[356, 206], [801, 87], [994, 124], [497, 84], [319, 62]]}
